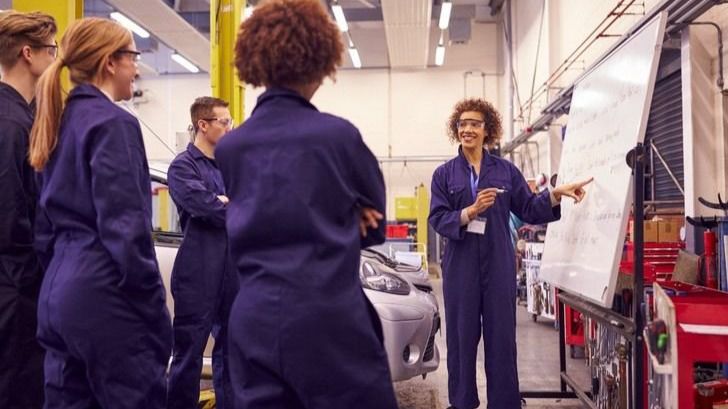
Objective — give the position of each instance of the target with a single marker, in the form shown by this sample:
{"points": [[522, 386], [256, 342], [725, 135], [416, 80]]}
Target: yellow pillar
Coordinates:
{"points": [[64, 11], [423, 212], [225, 17], [164, 206]]}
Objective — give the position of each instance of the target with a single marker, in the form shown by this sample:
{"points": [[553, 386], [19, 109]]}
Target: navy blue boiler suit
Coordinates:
{"points": [[102, 316], [203, 281], [302, 332], [21, 357], [479, 276]]}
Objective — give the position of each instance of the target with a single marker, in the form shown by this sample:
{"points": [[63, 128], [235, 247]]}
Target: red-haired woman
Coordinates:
{"points": [[102, 316]]}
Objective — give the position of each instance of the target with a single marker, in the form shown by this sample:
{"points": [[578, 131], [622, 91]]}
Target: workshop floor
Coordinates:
{"points": [[538, 364]]}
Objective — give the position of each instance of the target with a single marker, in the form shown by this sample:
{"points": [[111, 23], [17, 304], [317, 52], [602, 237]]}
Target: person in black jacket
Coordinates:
{"points": [[27, 48]]}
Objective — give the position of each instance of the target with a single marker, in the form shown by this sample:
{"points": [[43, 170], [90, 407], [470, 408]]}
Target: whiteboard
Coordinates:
{"points": [[608, 117]]}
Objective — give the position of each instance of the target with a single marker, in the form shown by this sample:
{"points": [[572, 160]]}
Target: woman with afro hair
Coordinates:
{"points": [[472, 198], [306, 195]]}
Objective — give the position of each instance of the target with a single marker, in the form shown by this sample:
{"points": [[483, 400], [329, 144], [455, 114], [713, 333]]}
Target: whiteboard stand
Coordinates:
{"points": [[637, 156], [632, 329]]}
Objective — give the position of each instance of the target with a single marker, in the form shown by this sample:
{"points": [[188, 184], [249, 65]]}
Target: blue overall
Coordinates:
{"points": [[302, 332], [101, 316], [203, 280], [479, 275], [21, 357]]}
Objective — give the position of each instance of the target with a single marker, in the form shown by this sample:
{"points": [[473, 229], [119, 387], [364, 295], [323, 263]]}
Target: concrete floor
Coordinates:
{"points": [[538, 363]]}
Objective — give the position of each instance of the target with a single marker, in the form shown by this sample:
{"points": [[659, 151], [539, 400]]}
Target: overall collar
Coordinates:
{"points": [[274, 93], [486, 161]]}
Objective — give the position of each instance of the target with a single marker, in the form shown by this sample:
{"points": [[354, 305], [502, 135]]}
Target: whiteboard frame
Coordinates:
{"points": [[607, 294]]}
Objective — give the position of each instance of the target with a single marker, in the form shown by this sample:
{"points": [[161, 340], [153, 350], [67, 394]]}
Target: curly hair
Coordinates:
{"points": [[493, 126], [287, 43]]}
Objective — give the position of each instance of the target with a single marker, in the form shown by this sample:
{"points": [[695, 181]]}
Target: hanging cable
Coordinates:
{"points": [[538, 51]]}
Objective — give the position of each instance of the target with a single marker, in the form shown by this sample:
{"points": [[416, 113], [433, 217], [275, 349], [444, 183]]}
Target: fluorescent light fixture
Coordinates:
{"points": [[340, 19], [247, 12], [185, 63], [440, 55], [127, 23], [354, 54], [445, 10]]}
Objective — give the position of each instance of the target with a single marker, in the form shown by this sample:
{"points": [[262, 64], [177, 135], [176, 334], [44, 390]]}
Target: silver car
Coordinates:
{"points": [[401, 294]]}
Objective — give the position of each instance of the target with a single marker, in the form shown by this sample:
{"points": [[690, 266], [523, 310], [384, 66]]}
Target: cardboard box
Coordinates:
{"points": [[650, 231], [668, 230]]}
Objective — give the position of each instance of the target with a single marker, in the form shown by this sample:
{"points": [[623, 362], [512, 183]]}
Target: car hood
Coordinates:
{"points": [[417, 276]]}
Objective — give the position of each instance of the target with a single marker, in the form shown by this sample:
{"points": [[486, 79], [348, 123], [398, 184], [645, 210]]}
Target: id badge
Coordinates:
{"points": [[477, 225]]}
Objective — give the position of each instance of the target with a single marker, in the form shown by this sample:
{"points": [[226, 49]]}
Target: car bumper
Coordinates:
{"points": [[409, 335]]}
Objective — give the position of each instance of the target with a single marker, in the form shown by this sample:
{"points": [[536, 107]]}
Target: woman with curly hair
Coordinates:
{"points": [[472, 197], [306, 194]]}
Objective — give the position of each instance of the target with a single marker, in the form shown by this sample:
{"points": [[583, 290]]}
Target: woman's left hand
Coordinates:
{"points": [[369, 218], [574, 190]]}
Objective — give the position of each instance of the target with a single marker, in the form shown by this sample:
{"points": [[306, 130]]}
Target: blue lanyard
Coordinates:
{"points": [[473, 182]]}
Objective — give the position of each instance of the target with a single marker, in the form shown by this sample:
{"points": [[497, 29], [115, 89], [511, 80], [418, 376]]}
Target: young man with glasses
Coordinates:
{"points": [[203, 282], [27, 48]]}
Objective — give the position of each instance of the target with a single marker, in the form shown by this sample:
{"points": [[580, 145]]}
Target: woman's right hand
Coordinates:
{"points": [[484, 200], [369, 219]]}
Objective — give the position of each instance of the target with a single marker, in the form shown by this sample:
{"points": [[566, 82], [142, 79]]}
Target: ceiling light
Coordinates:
{"points": [[185, 63], [127, 23], [340, 19], [440, 55], [247, 12], [354, 54], [445, 10]]}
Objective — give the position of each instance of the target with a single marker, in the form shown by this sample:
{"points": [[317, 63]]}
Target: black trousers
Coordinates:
{"points": [[21, 357]]}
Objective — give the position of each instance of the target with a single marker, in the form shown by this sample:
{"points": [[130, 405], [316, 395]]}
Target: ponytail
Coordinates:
{"points": [[44, 135], [87, 45]]}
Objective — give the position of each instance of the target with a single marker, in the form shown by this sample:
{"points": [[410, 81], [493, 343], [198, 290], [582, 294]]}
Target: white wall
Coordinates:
{"points": [[566, 24], [705, 114], [164, 109], [399, 113], [719, 110]]}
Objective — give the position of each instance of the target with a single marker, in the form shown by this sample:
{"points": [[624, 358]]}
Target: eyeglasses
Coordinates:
{"points": [[473, 123], [226, 122], [135, 55], [52, 48]]}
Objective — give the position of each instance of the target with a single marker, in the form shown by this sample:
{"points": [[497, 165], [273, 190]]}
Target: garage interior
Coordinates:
{"points": [[406, 64]]}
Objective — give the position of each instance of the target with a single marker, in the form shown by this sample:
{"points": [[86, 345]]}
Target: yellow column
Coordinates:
{"points": [[423, 212], [164, 206], [64, 11], [225, 17]]}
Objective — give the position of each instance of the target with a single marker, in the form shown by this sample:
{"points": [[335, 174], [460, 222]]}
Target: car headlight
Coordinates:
{"points": [[374, 279]]}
